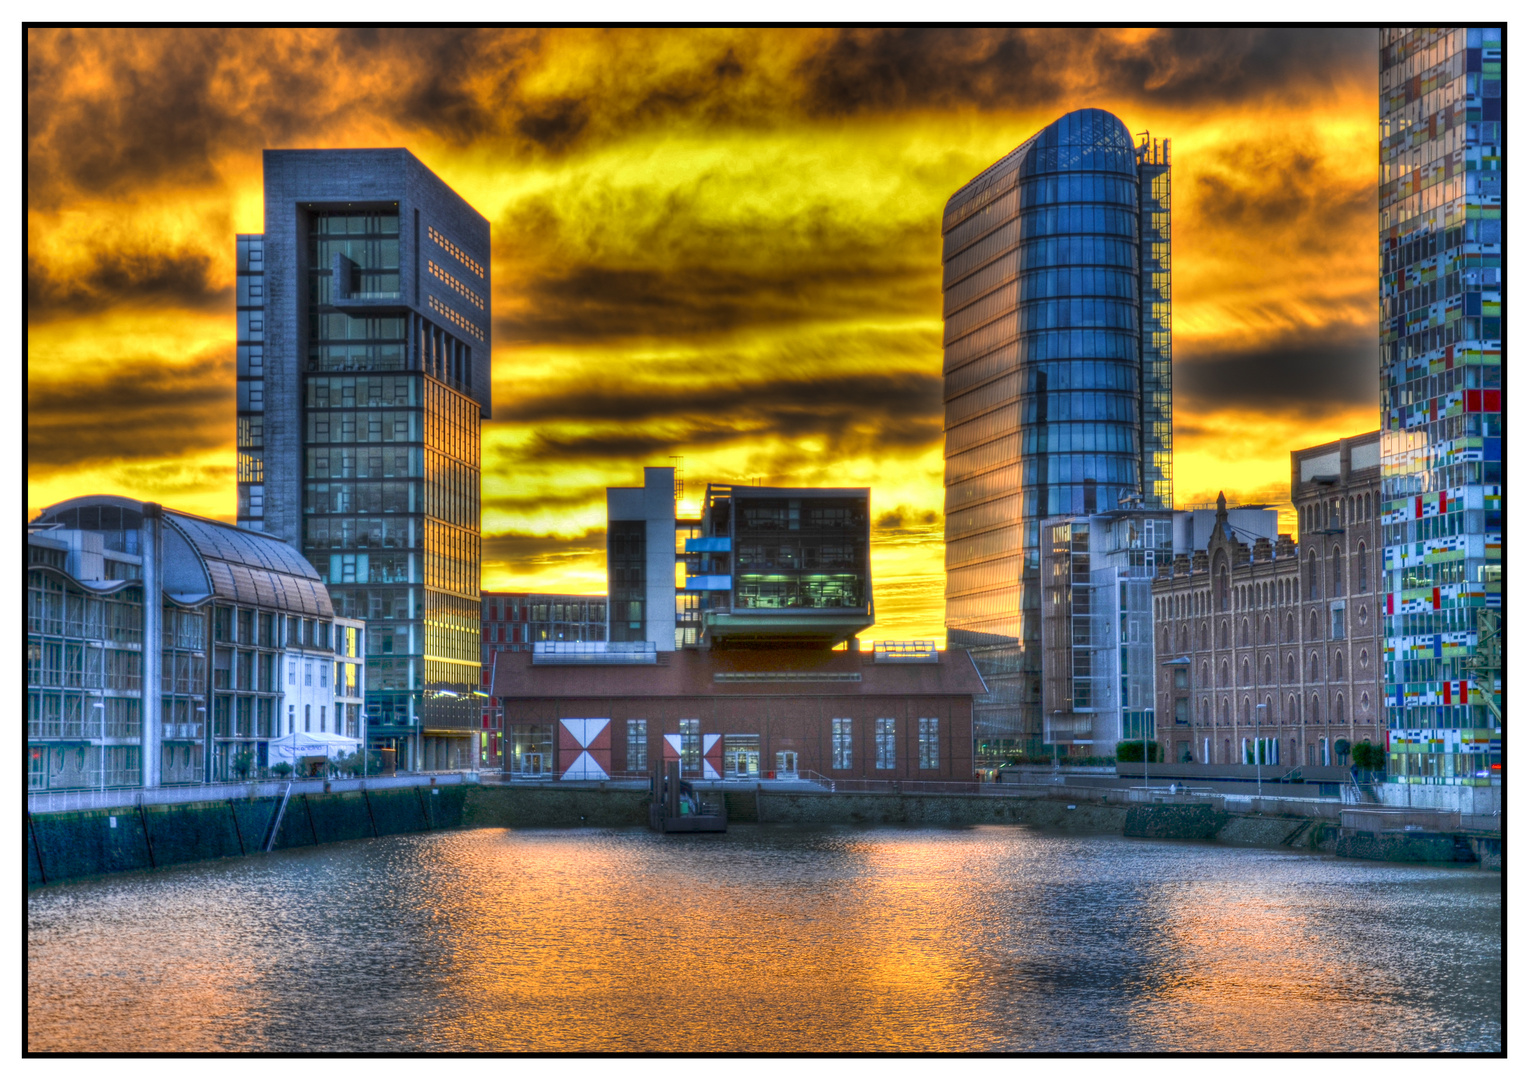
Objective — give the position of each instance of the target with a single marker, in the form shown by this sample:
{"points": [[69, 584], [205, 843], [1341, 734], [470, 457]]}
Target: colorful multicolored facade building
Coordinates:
{"points": [[1441, 288]]}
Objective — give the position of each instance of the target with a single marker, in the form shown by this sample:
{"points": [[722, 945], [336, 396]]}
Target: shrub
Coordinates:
{"points": [[282, 769], [1130, 751], [1369, 756]]}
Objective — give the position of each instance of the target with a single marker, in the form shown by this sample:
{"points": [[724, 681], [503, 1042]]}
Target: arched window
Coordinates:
{"points": [[1337, 665], [1364, 659], [1290, 667], [1311, 575], [1338, 709], [1247, 672], [1226, 711], [1337, 571], [1226, 674], [1313, 666], [1221, 638], [1364, 570], [1245, 632], [1290, 627], [1367, 506], [1268, 669], [1364, 702], [1246, 711], [1315, 715], [1268, 638], [1294, 706], [1316, 627], [1204, 673], [1223, 593]]}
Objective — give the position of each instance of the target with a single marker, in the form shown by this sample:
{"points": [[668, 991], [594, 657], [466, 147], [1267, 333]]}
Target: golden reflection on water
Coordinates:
{"points": [[768, 940]]}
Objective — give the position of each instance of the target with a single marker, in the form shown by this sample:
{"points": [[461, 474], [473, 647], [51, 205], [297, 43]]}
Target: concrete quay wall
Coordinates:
{"points": [[80, 843], [84, 843]]}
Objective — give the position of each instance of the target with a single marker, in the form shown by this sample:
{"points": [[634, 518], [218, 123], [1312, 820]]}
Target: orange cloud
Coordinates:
{"points": [[721, 245]]}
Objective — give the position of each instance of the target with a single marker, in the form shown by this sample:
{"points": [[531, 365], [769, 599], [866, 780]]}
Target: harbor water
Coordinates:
{"points": [[769, 939]]}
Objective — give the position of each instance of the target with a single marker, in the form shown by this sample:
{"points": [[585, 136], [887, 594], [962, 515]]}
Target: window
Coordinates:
{"points": [[636, 745], [1364, 571], [323, 709], [1338, 665], [1337, 572], [323, 677], [928, 743], [1180, 678], [1311, 575], [690, 747], [291, 718], [1181, 711], [307, 672], [307, 717], [886, 743], [843, 743], [291, 672], [1338, 709], [1337, 623]]}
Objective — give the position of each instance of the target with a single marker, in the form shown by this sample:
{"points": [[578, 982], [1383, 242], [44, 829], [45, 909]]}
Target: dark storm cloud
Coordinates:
{"points": [[1313, 373], [676, 272], [1273, 191], [141, 411], [862, 71], [110, 276], [520, 549]]}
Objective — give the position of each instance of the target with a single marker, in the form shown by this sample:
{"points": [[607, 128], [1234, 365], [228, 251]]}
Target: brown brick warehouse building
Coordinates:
{"points": [[742, 714], [1277, 646]]}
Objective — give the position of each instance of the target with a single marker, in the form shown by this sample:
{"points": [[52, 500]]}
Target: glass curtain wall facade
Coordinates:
{"points": [[374, 352], [1055, 260], [1441, 289]]}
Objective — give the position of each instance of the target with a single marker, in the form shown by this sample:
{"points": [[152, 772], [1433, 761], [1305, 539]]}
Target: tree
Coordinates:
{"points": [[242, 762], [282, 769]]}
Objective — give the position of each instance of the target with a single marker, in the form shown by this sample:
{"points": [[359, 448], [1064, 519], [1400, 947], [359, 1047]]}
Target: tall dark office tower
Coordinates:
{"points": [[1442, 255], [363, 363], [1058, 381]]}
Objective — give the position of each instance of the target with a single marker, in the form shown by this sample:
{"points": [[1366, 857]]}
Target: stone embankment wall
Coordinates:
{"points": [[80, 843]]}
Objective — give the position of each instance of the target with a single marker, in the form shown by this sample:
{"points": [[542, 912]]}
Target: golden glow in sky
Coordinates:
{"points": [[717, 245]]}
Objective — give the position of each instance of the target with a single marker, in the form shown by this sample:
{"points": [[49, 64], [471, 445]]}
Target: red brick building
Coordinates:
{"points": [[739, 713]]}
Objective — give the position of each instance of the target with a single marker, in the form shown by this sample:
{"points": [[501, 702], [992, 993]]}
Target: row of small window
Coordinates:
{"points": [[322, 223], [1248, 712], [350, 391], [543, 611], [884, 739], [526, 633], [365, 426], [456, 318], [377, 357], [456, 252], [442, 274]]}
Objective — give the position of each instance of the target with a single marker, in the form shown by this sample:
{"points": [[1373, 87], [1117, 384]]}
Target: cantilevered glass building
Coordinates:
{"points": [[1058, 381], [1441, 407], [364, 331]]}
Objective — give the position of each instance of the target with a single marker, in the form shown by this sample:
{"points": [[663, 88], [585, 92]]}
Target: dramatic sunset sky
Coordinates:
{"points": [[723, 246]]}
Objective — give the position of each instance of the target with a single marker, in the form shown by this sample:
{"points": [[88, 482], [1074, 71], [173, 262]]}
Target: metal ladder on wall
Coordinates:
{"points": [[281, 810]]}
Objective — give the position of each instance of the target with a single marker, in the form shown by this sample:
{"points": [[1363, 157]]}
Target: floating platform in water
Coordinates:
{"points": [[677, 807]]}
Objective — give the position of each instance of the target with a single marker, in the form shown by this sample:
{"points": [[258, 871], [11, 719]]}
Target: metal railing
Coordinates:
{"points": [[53, 801]]}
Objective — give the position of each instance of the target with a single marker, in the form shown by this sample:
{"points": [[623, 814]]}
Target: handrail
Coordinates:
{"points": [[281, 810]]}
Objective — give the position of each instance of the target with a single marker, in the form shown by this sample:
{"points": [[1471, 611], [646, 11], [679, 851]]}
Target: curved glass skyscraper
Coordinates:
{"points": [[1057, 377]]}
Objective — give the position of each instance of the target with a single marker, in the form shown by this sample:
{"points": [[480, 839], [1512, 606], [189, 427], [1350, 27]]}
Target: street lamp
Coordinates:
{"points": [[1258, 745]]}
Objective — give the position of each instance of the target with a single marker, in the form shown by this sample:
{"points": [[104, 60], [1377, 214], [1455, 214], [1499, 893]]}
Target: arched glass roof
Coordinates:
{"points": [[233, 564]]}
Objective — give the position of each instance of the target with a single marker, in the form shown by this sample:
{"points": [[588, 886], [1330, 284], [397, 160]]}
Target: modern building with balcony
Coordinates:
{"points": [[1100, 666], [364, 334], [1058, 381], [1442, 257], [165, 648]]}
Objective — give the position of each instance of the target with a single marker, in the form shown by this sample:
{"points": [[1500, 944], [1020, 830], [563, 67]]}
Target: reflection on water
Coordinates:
{"points": [[769, 940]]}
